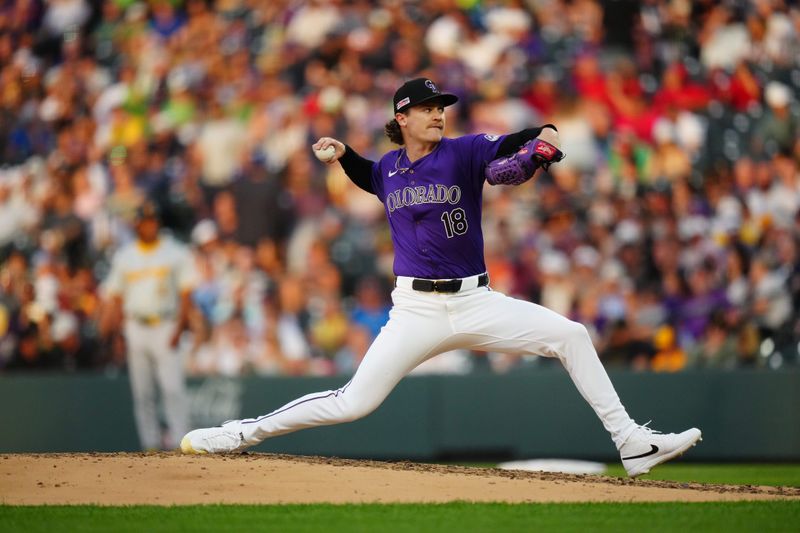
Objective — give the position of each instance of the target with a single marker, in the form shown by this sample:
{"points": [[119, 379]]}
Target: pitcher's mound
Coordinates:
{"points": [[170, 478]]}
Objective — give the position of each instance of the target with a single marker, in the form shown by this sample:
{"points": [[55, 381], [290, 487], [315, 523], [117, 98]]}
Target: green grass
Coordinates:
{"points": [[731, 474], [461, 517]]}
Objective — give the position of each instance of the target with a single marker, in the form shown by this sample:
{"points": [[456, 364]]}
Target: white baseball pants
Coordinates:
{"points": [[153, 367], [422, 325]]}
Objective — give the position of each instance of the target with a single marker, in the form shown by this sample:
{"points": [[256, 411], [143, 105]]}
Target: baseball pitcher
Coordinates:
{"points": [[149, 286], [431, 190]]}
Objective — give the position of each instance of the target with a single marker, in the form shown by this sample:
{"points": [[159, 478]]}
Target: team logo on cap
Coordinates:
{"points": [[403, 102], [432, 86]]}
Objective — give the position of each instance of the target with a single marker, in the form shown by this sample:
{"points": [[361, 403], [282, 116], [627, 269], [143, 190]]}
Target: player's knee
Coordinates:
{"points": [[353, 410], [575, 332], [579, 330], [568, 330]]}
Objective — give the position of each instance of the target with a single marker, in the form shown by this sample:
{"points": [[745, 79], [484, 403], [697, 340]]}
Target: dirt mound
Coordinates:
{"points": [[170, 478]]}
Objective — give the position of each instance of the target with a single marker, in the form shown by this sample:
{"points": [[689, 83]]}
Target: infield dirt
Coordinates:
{"points": [[174, 479]]}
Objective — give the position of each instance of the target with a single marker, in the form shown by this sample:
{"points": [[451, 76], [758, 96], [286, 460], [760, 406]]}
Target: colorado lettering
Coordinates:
{"points": [[432, 194]]}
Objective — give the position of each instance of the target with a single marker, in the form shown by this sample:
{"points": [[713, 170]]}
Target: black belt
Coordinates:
{"points": [[444, 285]]}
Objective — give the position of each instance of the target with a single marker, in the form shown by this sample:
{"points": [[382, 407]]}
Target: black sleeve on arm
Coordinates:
{"points": [[513, 141], [358, 169]]}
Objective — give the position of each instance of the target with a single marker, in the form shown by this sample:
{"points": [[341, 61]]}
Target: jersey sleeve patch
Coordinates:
{"points": [[490, 137]]}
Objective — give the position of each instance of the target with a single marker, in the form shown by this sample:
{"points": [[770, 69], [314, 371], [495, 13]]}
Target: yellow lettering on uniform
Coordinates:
{"points": [[157, 272]]}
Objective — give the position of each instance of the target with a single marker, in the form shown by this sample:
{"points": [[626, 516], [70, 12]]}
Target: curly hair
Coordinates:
{"points": [[392, 130]]}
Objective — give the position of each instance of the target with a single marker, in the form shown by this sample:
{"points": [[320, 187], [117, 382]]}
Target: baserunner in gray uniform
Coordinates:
{"points": [[431, 189]]}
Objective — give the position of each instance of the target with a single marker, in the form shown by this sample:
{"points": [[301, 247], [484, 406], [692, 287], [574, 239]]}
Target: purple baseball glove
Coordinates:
{"points": [[520, 167]]}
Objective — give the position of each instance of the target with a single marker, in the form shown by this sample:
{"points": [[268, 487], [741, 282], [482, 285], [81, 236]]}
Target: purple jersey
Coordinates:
{"points": [[434, 206]]}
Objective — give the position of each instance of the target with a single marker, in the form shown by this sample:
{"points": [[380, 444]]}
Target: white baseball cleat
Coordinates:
{"points": [[646, 448], [227, 438]]}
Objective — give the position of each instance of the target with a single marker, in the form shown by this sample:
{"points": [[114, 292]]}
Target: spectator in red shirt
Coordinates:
{"points": [[679, 91]]}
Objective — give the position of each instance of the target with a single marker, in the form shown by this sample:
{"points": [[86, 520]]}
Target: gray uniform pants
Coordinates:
{"points": [[156, 368]]}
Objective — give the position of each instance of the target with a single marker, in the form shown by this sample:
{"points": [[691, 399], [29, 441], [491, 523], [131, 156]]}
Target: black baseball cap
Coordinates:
{"points": [[148, 210], [417, 91]]}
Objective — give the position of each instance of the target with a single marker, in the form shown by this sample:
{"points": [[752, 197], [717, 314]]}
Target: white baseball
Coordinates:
{"points": [[325, 154]]}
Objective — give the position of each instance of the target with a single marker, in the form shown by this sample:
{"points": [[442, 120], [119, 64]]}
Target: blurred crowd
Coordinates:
{"points": [[671, 229]]}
